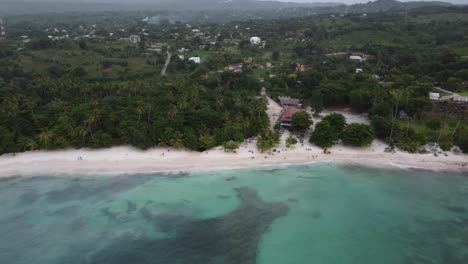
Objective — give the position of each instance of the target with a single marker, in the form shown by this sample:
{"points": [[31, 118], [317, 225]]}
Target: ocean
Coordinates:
{"points": [[321, 213]]}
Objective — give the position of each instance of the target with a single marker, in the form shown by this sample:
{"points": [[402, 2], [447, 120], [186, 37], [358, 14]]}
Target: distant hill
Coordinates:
{"points": [[386, 5], [46, 6]]}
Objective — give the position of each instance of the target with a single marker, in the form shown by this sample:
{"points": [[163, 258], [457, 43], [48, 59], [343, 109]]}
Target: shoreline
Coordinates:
{"points": [[128, 160]]}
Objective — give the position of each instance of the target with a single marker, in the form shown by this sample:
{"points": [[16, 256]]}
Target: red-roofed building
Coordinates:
{"points": [[286, 116]]}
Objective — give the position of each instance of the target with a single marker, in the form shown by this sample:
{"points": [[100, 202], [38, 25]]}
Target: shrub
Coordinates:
{"points": [[323, 135], [301, 121], [358, 135], [337, 123], [291, 141]]}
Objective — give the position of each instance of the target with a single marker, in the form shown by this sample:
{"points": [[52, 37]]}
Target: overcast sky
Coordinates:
{"points": [[365, 1], [299, 1]]}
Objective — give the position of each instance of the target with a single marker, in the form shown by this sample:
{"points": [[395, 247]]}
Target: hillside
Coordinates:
{"points": [[9, 7]]}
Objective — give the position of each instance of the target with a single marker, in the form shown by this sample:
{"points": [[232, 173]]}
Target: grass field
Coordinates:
{"points": [[69, 59], [359, 38]]}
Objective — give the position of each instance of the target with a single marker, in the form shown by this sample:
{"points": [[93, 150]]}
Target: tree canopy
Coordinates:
{"points": [[358, 135]]}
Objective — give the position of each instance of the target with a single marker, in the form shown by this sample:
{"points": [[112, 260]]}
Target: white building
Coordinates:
{"points": [[196, 60], [356, 58], [434, 96], [2, 30], [255, 40], [460, 99], [134, 39]]}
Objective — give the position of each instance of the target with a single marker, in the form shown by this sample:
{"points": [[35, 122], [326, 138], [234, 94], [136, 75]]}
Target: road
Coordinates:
{"points": [[168, 60], [446, 97], [274, 110]]}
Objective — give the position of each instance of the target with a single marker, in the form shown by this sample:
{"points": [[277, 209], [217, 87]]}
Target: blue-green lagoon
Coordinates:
{"points": [[320, 213]]}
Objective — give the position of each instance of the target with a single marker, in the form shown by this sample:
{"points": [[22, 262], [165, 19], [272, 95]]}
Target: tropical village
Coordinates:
{"points": [[307, 87], [233, 132]]}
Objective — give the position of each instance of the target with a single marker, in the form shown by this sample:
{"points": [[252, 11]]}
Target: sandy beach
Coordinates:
{"points": [[127, 160]]}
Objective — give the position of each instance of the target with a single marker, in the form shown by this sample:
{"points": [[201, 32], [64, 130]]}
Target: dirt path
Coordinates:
{"points": [[274, 110], [168, 60]]}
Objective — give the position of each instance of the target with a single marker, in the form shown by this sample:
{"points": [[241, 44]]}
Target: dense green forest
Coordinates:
{"points": [[71, 79]]}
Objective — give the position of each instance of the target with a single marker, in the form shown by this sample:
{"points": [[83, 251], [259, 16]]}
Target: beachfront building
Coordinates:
{"points": [[287, 101], [286, 116], [134, 39]]}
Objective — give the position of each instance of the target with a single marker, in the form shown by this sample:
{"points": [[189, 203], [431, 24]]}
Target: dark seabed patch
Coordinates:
{"points": [[309, 177], [316, 214], [109, 214], [131, 207], [223, 197], [229, 239], [67, 211], [77, 224], [96, 188], [28, 197]]}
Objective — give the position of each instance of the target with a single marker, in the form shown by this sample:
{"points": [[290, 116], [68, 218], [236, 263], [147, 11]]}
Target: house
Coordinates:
{"points": [[248, 60], [263, 91], [234, 67], [287, 101], [286, 116], [255, 40], [134, 39], [434, 96], [358, 56], [296, 67], [196, 60], [403, 115], [460, 99], [2, 30], [339, 55]]}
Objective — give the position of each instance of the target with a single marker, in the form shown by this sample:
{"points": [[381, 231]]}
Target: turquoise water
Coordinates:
{"points": [[301, 214]]}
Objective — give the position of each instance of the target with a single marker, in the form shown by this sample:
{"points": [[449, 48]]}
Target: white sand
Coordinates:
{"points": [[126, 160]]}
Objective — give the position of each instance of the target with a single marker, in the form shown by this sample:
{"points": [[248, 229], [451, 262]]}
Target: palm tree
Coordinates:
{"points": [[149, 106], [219, 102], [173, 112], [394, 119], [90, 123], [44, 138]]}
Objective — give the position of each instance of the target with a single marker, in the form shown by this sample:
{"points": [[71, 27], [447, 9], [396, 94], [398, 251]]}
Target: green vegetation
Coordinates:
{"points": [[358, 135], [323, 135], [231, 146], [337, 123], [291, 141], [268, 141], [301, 121], [87, 86]]}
